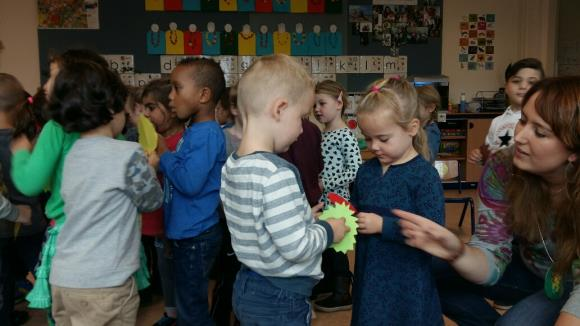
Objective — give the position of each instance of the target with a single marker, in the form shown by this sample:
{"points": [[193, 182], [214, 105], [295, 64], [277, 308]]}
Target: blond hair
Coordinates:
{"points": [[399, 98], [429, 95], [333, 89], [271, 77]]}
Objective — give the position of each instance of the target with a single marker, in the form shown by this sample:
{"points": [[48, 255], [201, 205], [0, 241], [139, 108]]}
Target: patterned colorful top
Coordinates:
{"points": [[341, 162], [494, 238]]}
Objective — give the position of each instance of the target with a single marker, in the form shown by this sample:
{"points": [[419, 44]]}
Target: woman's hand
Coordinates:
{"points": [[429, 236], [369, 223]]}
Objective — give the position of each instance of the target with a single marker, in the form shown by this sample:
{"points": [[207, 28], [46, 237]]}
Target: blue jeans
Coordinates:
{"points": [[257, 302], [464, 302], [192, 262]]}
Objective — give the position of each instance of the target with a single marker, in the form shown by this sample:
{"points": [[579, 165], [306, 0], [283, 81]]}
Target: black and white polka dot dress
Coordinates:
{"points": [[342, 158]]}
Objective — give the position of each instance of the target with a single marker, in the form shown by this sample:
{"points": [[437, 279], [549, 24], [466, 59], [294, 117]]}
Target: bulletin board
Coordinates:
{"points": [[123, 26]]}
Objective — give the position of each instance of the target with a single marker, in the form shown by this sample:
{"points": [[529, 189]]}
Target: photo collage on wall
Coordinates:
{"points": [[477, 42], [396, 25]]}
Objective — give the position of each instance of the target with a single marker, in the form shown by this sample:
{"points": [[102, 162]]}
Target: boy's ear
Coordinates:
{"points": [[205, 96], [414, 126], [278, 107]]}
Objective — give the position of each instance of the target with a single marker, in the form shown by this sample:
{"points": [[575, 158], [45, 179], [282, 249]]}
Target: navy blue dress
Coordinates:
{"points": [[393, 284]]}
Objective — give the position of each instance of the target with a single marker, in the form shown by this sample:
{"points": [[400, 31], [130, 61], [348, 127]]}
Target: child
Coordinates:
{"points": [[519, 78], [105, 183], [223, 110], [392, 282], [429, 104], [274, 233], [192, 175], [227, 265], [155, 100], [19, 243], [342, 158]]}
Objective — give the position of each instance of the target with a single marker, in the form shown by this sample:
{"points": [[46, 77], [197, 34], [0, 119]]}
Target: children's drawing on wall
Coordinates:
{"points": [[477, 42], [69, 14]]}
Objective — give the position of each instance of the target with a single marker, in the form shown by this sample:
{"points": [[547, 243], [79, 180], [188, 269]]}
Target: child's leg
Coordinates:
{"points": [[257, 302], [103, 306], [339, 276], [165, 265], [192, 262]]}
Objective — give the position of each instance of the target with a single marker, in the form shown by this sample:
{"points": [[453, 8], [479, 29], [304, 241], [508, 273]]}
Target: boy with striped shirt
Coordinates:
{"points": [[274, 234]]}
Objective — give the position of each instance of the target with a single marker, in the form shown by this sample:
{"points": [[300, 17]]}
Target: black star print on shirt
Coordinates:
{"points": [[505, 139]]}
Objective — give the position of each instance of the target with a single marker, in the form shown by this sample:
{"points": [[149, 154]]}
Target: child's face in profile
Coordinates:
{"points": [[519, 84], [290, 122], [386, 139], [222, 116], [327, 108], [157, 113], [185, 94], [48, 86]]}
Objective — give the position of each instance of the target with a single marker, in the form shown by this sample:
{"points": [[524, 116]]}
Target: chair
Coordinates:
{"points": [[450, 170]]}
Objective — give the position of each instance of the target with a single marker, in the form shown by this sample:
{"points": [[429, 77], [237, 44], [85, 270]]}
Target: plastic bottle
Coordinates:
{"points": [[462, 104]]}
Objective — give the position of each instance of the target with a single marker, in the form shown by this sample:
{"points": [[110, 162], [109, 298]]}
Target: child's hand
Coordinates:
{"points": [[317, 209], [24, 215], [475, 156], [369, 223], [20, 143], [153, 160], [339, 228], [161, 145]]}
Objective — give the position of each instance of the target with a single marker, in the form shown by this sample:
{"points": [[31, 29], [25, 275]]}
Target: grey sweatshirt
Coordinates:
{"points": [[105, 183]]}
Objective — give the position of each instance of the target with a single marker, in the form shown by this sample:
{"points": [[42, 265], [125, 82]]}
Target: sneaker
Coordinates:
{"points": [[335, 302], [166, 321]]}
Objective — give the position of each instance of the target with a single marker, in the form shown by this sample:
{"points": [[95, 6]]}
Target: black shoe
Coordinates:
{"points": [[166, 321], [321, 290], [19, 317], [340, 298]]}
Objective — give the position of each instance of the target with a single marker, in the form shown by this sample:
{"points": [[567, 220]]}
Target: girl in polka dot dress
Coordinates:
{"points": [[342, 158]]}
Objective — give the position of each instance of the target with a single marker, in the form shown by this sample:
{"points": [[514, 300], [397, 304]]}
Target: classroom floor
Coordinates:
{"points": [[150, 314]]}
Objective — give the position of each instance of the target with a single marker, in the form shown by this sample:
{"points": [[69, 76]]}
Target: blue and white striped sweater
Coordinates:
{"points": [[272, 227]]}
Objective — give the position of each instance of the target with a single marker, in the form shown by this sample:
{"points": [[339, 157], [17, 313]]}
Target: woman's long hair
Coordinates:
{"points": [[558, 103]]}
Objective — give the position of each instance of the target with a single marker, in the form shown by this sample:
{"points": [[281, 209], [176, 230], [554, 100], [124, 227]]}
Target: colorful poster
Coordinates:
{"points": [[72, 14], [316, 6], [281, 5], [173, 5], [477, 42], [297, 6], [246, 5], [264, 6], [228, 5], [154, 5]]}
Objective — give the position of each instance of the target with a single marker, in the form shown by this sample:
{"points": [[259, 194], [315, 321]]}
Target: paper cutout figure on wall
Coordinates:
{"points": [[298, 6], [264, 42], [316, 42], [299, 46], [173, 5], [264, 6], [246, 41], [192, 41], [211, 40], [282, 40], [281, 5], [333, 41], [229, 41], [315, 6], [333, 6], [173, 40], [210, 5], [154, 5], [246, 5], [192, 5], [228, 5], [155, 40]]}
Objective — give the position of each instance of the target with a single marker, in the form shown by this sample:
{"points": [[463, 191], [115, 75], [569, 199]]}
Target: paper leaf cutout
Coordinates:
{"points": [[147, 134], [335, 198], [338, 211]]}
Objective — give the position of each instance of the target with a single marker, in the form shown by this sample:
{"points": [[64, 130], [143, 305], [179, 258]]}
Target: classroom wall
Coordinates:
{"points": [[524, 28], [19, 38]]}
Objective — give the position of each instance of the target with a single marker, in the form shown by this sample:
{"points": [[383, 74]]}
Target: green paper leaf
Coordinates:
{"points": [[338, 211]]}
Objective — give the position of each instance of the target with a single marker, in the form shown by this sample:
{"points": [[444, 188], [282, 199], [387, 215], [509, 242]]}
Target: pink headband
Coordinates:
{"points": [[375, 89], [30, 100]]}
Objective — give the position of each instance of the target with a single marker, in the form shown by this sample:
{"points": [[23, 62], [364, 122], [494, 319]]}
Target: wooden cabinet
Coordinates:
{"points": [[461, 133], [476, 132]]}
